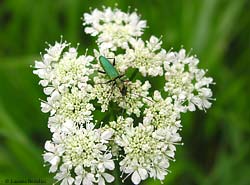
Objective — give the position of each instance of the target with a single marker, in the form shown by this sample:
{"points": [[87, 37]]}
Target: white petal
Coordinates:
{"points": [[48, 90], [109, 164], [90, 126], [191, 107], [55, 160], [53, 169], [101, 167], [106, 134], [143, 173], [78, 180], [79, 170], [47, 157], [170, 153], [101, 181], [71, 180], [39, 64], [136, 179], [67, 125], [87, 181], [55, 95], [49, 146], [108, 156], [161, 174], [64, 182], [45, 107], [91, 31], [44, 82], [90, 176], [109, 178]]}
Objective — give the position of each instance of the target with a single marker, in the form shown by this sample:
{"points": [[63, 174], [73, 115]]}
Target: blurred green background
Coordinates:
{"points": [[217, 143]]}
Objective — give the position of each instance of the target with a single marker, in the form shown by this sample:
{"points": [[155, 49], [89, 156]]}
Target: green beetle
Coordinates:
{"points": [[115, 77], [113, 74]]}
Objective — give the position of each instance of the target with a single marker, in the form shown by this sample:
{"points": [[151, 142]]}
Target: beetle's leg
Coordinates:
{"points": [[113, 79], [106, 82], [113, 63], [146, 98], [125, 81], [119, 77], [123, 109], [101, 72]]}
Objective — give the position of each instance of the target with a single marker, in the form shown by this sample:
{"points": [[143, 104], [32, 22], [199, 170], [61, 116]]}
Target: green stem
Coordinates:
{"points": [[116, 173]]}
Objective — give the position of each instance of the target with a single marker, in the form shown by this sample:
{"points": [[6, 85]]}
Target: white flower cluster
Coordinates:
{"points": [[113, 27], [65, 77], [80, 152], [96, 119], [148, 58], [186, 83]]}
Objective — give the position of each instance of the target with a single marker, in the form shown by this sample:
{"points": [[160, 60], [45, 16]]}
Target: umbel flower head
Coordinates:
{"points": [[82, 152], [115, 109], [114, 28]]}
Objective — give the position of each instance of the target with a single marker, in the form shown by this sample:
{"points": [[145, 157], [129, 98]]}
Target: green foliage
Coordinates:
{"points": [[216, 149]]}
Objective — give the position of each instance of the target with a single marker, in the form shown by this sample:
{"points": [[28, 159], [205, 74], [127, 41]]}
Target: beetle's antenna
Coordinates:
{"points": [[144, 97], [110, 93]]}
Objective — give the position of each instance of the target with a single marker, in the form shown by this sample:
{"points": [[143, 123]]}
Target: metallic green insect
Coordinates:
{"points": [[113, 74], [115, 77]]}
